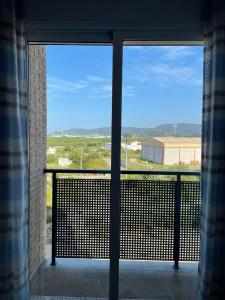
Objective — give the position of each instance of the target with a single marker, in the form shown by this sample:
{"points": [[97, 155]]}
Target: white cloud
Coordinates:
{"points": [[164, 74], [175, 52], [168, 52], [105, 91], [93, 87], [58, 86]]}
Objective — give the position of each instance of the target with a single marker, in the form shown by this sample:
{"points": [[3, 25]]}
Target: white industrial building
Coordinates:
{"points": [[135, 146], [51, 150], [171, 150], [64, 162]]}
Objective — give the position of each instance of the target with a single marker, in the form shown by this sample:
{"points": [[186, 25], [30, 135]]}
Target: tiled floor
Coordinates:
{"points": [[138, 279]]}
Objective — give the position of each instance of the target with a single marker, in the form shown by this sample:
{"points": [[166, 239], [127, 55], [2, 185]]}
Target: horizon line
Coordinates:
{"points": [[125, 126]]}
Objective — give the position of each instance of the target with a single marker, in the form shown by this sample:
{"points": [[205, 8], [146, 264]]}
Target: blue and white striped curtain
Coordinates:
{"points": [[13, 156], [211, 285]]}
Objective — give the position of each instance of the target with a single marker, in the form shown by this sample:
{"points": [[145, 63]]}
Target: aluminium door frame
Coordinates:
{"points": [[117, 39], [114, 245]]}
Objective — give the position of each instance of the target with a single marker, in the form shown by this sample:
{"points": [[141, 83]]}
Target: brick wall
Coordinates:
{"points": [[37, 152]]}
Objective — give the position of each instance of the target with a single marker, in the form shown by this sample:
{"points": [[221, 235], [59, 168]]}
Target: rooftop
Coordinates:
{"points": [[171, 141]]}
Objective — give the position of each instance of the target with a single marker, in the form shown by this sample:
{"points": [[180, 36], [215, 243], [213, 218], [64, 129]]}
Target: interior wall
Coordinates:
{"points": [[37, 155]]}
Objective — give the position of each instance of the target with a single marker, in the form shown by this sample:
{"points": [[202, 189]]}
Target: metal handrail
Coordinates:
{"points": [[126, 172]]}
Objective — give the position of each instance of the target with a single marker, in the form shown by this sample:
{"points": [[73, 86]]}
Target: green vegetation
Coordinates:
{"points": [[91, 153], [88, 153]]}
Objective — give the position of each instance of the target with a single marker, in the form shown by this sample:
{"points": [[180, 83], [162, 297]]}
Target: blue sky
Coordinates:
{"points": [[161, 84]]}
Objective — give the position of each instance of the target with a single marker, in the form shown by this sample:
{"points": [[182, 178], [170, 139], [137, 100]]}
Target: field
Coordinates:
{"points": [[91, 153]]}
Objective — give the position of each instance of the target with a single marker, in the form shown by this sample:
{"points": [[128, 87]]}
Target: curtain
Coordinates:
{"points": [[211, 283], [13, 156]]}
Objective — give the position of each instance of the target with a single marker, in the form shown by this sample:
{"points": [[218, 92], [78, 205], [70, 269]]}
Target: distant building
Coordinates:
{"points": [[171, 150], [109, 146], [51, 150], [136, 145], [64, 162], [132, 146]]}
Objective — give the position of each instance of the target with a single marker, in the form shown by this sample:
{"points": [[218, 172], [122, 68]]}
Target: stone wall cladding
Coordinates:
{"points": [[37, 155]]}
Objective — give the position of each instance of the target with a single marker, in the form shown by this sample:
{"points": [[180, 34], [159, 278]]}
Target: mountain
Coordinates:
{"points": [[179, 129]]}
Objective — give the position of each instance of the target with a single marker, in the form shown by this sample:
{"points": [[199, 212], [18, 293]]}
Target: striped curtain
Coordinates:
{"points": [[211, 283], [13, 156]]}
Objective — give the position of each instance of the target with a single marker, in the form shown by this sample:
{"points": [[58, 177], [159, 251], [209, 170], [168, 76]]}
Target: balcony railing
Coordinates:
{"points": [[159, 219]]}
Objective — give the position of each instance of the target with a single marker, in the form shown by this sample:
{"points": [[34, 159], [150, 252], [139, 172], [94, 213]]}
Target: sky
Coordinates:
{"points": [[161, 84]]}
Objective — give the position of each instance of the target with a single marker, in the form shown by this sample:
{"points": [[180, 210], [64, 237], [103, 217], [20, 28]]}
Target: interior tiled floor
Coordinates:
{"points": [[138, 279]]}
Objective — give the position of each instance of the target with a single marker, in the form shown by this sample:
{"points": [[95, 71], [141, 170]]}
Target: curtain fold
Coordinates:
{"points": [[13, 156], [211, 282]]}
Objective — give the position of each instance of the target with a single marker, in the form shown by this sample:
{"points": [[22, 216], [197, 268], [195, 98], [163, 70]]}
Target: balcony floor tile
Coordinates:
{"points": [[89, 278]]}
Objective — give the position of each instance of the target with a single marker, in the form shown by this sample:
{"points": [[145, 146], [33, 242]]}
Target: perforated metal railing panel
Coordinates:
{"points": [[190, 220], [83, 218], [147, 219]]}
